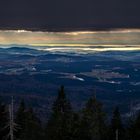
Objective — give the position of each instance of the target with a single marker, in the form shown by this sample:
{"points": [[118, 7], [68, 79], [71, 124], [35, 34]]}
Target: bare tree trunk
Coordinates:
{"points": [[11, 115], [117, 134]]}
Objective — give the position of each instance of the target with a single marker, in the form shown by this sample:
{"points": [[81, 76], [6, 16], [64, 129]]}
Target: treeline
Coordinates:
{"points": [[64, 124]]}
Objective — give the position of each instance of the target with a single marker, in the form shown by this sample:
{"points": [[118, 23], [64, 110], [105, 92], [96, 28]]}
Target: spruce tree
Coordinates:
{"points": [[76, 126], [116, 128], [20, 119], [93, 121], [133, 131], [129, 134], [29, 125], [136, 128], [59, 124], [3, 121], [32, 127]]}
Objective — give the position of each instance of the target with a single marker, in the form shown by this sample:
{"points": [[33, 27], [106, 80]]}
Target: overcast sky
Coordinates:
{"points": [[90, 38], [69, 14]]}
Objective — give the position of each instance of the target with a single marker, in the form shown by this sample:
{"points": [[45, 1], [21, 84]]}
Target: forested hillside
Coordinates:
{"points": [[90, 123]]}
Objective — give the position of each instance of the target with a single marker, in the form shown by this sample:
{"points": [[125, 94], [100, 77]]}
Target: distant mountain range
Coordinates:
{"points": [[34, 73]]}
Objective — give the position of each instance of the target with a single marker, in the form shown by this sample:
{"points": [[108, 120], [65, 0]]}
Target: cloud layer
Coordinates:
{"points": [[116, 39]]}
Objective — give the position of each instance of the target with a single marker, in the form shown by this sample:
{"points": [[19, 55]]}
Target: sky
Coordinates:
{"points": [[60, 15], [126, 39]]}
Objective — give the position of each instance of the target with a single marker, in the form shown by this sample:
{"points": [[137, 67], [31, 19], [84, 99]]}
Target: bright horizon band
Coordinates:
{"points": [[121, 39]]}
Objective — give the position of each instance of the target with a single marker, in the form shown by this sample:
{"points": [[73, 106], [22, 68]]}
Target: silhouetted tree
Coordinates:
{"points": [[137, 128], [32, 127], [4, 129], [130, 130], [116, 128], [93, 121], [20, 120], [133, 131], [29, 125], [59, 124], [76, 127]]}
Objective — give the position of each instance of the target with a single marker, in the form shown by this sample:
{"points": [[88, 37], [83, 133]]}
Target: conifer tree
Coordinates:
{"points": [[76, 126], [133, 131], [3, 121], [93, 121], [20, 119], [129, 134], [32, 127], [116, 128], [59, 124], [136, 128], [29, 125]]}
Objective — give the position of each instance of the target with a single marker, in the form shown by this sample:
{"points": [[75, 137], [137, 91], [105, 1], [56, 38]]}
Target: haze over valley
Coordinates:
{"points": [[36, 74]]}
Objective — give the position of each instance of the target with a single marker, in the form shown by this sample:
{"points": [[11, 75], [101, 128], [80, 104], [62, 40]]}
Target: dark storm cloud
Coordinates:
{"points": [[50, 14]]}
